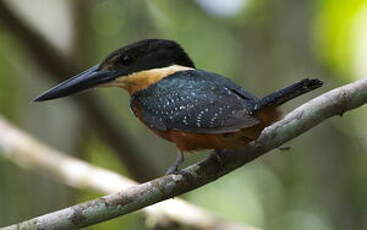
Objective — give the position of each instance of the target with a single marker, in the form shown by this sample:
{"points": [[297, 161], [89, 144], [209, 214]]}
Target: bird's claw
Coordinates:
{"points": [[172, 170]]}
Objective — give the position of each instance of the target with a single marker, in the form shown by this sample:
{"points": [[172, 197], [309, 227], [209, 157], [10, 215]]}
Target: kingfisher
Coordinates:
{"points": [[192, 108]]}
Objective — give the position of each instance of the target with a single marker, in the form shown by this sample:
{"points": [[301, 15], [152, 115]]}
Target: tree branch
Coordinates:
{"points": [[335, 102], [28, 153], [59, 66]]}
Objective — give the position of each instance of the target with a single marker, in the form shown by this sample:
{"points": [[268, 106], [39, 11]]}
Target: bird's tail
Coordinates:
{"points": [[283, 95]]}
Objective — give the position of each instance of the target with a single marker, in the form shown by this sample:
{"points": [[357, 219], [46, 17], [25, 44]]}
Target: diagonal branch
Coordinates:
{"points": [[307, 116], [59, 66], [28, 153]]}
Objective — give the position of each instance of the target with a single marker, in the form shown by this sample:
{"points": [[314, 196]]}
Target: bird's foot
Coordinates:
{"points": [[174, 168]]}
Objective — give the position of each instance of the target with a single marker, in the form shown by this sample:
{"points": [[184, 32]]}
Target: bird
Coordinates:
{"points": [[193, 108]]}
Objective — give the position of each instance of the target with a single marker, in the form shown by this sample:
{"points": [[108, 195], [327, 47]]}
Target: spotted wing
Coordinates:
{"points": [[195, 101]]}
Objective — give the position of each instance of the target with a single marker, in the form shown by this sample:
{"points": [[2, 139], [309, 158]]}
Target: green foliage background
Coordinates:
{"points": [[320, 184]]}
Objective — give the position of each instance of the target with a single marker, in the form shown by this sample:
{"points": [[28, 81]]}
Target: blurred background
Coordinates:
{"points": [[319, 184]]}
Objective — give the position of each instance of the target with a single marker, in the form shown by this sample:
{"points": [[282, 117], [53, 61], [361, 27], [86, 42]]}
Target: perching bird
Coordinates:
{"points": [[192, 108]]}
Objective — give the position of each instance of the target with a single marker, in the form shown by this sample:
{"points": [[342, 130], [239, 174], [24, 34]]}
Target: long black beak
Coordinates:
{"points": [[90, 78]]}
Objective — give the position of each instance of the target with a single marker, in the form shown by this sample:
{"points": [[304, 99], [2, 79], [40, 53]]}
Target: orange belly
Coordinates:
{"points": [[187, 142]]}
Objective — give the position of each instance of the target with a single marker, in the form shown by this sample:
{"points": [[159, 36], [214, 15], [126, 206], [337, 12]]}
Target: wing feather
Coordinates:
{"points": [[196, 101]]}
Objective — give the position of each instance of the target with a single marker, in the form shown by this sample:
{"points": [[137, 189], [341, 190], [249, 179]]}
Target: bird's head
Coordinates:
{"points": [[133, 67]]}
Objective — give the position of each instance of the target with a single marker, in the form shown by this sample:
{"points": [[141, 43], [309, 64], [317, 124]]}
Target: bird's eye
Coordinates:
{"points": [[126, 60]]}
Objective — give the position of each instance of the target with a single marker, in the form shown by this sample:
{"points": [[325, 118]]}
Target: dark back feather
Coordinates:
{"points": [[195, 101]]}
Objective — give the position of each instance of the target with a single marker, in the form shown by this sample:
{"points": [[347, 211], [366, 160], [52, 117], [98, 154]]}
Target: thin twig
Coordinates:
{"points": [[335, 102], [29, 153]]}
